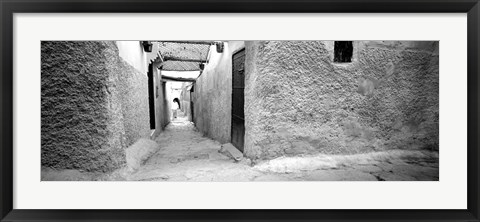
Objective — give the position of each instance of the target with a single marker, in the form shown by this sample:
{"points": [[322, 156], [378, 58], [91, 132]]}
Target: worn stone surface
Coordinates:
{"points": [[339, 175], [186, 155], [92, 105], [298, 101], [197, 158], [139, 152], [231, 151], [213, 94]]}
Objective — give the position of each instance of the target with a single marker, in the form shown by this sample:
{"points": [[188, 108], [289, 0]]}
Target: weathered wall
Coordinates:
{"points": [[185, 100], [133, 91], [297, 101], [161, 105], [167, 115], [94, 105], [132, 79], [213, 94]]}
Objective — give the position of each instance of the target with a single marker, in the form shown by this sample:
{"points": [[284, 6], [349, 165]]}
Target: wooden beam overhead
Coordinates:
{"points": [[176, 70], [173, 58], [178, 79], [192, 42]]}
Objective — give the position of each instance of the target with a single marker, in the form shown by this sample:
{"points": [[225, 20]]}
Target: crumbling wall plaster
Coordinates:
{"points": [[185, 100], [161, 106], [88, 94], [133, 91], [298, 101]]}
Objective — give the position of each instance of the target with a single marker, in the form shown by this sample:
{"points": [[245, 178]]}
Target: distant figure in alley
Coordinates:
{"points": [[175, 107]]}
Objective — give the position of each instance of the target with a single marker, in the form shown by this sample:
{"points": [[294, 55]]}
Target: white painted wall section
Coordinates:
{"points": [[132, 52]]}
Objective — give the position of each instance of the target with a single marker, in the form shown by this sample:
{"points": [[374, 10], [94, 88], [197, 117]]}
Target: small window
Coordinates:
{"points": [[343, 51]]}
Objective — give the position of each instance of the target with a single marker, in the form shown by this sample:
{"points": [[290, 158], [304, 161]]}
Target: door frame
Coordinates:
{"points": [[232, 115]]}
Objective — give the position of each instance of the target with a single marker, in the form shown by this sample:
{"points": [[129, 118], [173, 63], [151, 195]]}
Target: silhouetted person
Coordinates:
{"points": [[175, 107]]}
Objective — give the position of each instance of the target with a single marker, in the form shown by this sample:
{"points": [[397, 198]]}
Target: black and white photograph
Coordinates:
{"points": [[240, 111]]}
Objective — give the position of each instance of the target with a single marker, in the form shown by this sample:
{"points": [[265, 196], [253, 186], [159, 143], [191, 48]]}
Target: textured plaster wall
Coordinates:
{"points": [[161, 106], [185, 100], [133, 87], [94, 105], [297, 101], [213, 94], [132, 82], [167, 114]]}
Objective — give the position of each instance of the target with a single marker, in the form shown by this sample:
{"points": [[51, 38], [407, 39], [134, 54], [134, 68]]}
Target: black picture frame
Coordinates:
{"points": [[9, 7]]}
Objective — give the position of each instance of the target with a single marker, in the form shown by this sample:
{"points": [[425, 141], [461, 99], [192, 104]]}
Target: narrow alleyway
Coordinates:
{"points": [[276, 102], [185, 155]]}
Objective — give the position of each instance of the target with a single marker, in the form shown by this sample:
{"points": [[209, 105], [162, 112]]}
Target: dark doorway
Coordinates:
{"points": [[343, 51], [165, 102], [192, 90], [238, 86], [151, 95]]}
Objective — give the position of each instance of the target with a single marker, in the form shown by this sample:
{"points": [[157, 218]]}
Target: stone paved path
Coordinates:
{"points": [[185, 155]]}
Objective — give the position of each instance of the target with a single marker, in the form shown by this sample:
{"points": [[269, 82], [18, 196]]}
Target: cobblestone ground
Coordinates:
{"points": [[185, 155]]}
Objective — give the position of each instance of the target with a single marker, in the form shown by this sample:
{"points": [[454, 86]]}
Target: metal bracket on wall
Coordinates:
{"points": [[147, 46], [220, 47]]}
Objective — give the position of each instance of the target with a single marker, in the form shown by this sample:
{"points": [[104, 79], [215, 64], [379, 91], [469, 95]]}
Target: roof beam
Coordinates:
{"points": [[178, 79], [192, 42], [182, 70], [174, 58]]}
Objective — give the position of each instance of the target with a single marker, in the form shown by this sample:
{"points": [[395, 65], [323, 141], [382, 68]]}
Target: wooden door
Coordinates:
{"points": [[151, 95], [238, 86]]}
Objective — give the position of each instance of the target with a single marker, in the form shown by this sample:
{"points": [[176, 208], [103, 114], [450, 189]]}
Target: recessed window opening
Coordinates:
{"points": [[343, 51]]}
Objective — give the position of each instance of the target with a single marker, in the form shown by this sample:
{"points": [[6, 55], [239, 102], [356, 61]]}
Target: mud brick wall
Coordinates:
{"points": [[298, 101], [93, 105], [133, 92], [213, 94], [185, 99], [161, 105]]}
